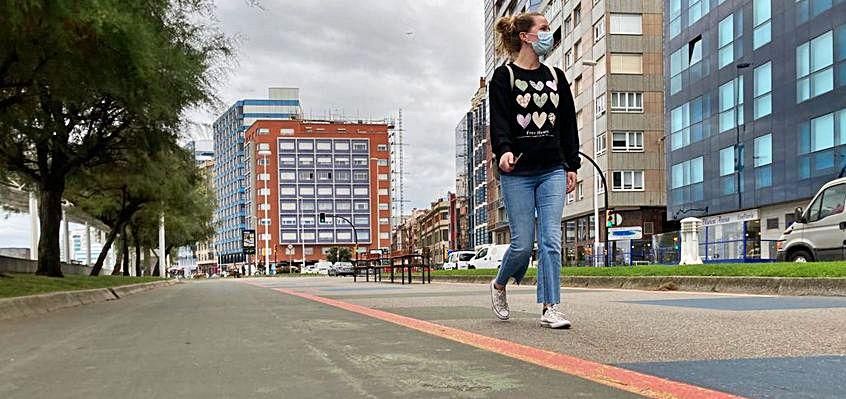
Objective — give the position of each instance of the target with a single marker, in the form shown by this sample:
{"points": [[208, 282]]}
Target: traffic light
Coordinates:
{"points": [[609, 219], [322, 217]]}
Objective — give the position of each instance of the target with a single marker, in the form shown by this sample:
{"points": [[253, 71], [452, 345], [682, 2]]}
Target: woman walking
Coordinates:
{"points": [[535, 143]]}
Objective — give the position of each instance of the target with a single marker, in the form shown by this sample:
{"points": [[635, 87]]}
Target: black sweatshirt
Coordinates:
{"points": [[534, 118]]}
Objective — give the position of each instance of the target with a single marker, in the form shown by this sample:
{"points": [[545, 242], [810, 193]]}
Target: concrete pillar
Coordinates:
{"points": [[690, 228], [34, 226]]}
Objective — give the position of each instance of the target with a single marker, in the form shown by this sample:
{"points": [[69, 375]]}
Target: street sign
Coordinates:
{"points": [[248, 242], [290, 246], [625, 233]]}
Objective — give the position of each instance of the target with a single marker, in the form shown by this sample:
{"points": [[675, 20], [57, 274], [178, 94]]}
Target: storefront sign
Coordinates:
{"points": [[735, 217], [625, 233], [248, 242]]}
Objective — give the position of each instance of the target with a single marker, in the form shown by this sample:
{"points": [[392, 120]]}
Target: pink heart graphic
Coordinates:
{"points": [[551, 85], [524, 120]]}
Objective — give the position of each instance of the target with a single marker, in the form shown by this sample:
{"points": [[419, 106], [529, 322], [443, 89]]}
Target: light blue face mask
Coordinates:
{"points": [[544, 42]]}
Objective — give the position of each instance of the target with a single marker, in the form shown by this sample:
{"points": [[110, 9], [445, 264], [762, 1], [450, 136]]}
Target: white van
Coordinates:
{"points": [[323, 267], [819, 232], [488, 257], [458, 260]]}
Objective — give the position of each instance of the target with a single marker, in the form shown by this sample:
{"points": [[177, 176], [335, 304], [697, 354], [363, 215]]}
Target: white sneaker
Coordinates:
{"points": [[553, 318], [499, 303]]}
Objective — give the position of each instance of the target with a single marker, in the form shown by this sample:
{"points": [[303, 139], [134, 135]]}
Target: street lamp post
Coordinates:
{"points": [[592, 64], [264, 152]]}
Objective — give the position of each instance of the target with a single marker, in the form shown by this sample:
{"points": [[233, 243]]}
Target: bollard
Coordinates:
{"points": [[690, 228]]}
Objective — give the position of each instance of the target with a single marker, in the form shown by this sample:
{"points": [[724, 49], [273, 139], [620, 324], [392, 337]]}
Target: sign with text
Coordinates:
{"points": [[735, 217], [248, 242], [625, 233]]}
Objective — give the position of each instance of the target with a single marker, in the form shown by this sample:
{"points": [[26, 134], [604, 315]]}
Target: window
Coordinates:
{"points": [[382, 176], [288, 221], [580, 189], [626, 102], [306, 176], [342, 175], [627, 141], [599, 69], [325, 236], [342, 161], [627, 63], [306, 160], [772, 224], [288, 205], [571, 197], [324, 191], [577, 85], [342, 146], [762, 157], [675, 17], [686, 123], [807, 9], [600, 106], [762, 91], [286, 145], [626, 24], [343, 205], [344, 235], [577, 49], [761, 14], [361, 206], [305, 145], [383, 191], [307, 205], [687, 173], [598, 30], [360, 176], [814, 72], [568, 25], [285, 191], [382, 162], [384, 221], [324, 176], [829, 202], [359, 146], [731, 104], [627, 180], [383, 207], [599, 145], [324, 145], [324, 206], [306, 190], [568, 59], [577, 15], [289, 236], [696, 10], [726, 40], [579, 120], [286, 160], [342, 191], [728, 166], [360, 191]]}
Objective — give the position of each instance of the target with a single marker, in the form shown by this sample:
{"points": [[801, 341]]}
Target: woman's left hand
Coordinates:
{"points": [[571, 182]]}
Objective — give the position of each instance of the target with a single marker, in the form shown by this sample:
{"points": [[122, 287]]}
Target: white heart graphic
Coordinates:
{"points": [[554, 97], [539, 119], [540, 99], [524, 120], [524, 99], [551, 85], [551, 119], [521, 84], [537, 85]]}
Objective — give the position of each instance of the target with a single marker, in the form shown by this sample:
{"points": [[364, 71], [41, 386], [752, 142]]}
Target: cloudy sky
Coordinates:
{"points": [[363, 58], [366, 58]]}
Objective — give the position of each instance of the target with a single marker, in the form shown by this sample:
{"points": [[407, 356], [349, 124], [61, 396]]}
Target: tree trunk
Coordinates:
{"points": [[110, 239], [137, 258], [119, 257], [125, 252], [50, 220]]}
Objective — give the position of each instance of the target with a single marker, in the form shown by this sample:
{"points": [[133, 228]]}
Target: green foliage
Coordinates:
{"points": [[339, 254], [81, 80]]}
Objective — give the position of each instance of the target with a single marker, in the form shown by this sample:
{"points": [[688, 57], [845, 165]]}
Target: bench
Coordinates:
{"points": [[407, 262]]}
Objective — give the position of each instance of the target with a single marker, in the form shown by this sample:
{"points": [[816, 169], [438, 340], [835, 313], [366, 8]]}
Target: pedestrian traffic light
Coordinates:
{"points": [[609, 219], [322, 217]]}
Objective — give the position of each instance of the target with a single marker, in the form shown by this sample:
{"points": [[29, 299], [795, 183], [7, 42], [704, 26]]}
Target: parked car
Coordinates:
{"points": [[287, 269], [458, 260], [819, 231], [323, 267], [342, 269], [488, 257], [310, 269]]}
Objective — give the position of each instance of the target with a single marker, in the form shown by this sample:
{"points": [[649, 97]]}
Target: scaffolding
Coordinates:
{"points": [[395, 139]]}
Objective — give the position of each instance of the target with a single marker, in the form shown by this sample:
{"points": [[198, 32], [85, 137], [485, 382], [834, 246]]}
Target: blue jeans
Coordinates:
{"points": [[525, 197]]}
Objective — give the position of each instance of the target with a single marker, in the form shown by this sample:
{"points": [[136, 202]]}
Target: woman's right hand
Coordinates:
{"points": [[507, 162]]}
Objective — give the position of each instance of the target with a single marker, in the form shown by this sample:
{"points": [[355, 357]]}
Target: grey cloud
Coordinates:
{"points": [[358, 57]]}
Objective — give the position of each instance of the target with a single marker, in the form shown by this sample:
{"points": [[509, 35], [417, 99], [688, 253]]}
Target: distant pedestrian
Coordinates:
{"points": [[535, 143]]}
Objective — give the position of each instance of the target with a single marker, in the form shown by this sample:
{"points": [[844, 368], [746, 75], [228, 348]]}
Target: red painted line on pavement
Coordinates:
{"points": [[626, 380]]}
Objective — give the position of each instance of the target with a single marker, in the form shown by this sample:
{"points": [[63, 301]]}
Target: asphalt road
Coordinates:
{"points": [[222, 339]]}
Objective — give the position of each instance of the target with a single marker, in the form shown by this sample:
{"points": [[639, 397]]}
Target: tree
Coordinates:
{"points": [[79, 78], [338, 254]]}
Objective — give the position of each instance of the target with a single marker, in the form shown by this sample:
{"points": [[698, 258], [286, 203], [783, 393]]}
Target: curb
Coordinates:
{"points": [[24, 306], [795, 286]]}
